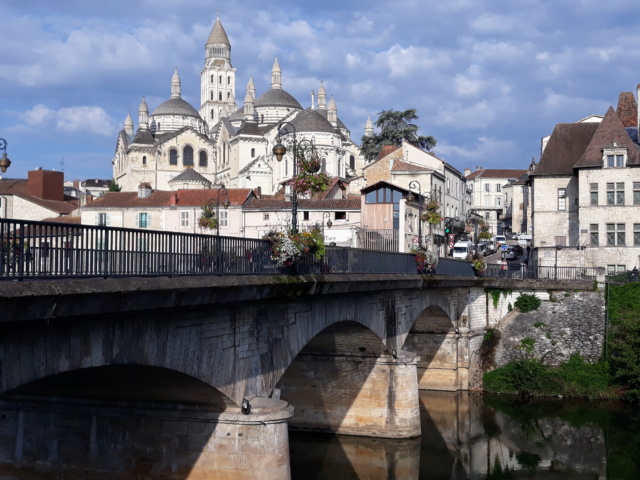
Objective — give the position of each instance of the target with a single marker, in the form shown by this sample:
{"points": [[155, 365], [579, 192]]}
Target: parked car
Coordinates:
{"points": [[489, 247], [511, 236], [511, 253]]}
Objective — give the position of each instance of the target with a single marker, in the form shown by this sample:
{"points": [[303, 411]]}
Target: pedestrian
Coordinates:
{"points": [[528, 251], [503, 268], [634, 274]]}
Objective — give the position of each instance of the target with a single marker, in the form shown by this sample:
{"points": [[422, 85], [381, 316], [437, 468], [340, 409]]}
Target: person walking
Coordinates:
{"points": [[503, 268]]}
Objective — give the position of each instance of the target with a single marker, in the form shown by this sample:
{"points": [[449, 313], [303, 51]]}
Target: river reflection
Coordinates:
{"points": [[470, 437], [463, 437]]}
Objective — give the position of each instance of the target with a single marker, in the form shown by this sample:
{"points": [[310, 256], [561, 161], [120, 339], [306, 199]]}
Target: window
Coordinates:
{"points": [[228, 80], [305, 215], [342, 215], [615, 193], [498, 202], [487, 201], [224, 218], [498, 187], [102, 219], [211, 95], [220, 96], [211, 78], [184, 219], [593, 235], [562, 199], [253, 152], [173, 157], [636, 234], [615, 234], [220, 79], [187, 156], [448, 186], [212, 115], [593, 192], [203, 159], [613, 269], [265, 217], [384, 195], [487, 187], [142, 220], [636, 193], [615, 161], [144, 159]]}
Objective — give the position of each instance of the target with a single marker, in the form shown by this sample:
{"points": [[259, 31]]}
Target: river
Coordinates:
{"points": [[463, 437]]}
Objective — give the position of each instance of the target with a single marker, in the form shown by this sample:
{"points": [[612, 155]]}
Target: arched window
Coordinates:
{"points": [[211, 78], [212, 114], [352, 162], [228, 80], [203, 159], [144, 159], [187, 156], [211, 95], [228, 95], [262, 118], [220, 79], [173, 157], [220, 96], [253, 152]]}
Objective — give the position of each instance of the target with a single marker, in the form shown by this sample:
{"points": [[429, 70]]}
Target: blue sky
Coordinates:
{"points": [[488, 78]]}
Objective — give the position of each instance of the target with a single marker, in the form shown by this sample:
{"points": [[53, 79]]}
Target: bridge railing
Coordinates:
{"points": [[517, 270], [52, 250]]}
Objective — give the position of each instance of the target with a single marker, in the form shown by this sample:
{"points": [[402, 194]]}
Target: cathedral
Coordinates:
{"points": [[179, 147]]}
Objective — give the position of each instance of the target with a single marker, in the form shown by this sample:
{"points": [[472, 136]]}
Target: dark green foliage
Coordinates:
{"points": [[509, 307], [540, 324], [488, 336], [527, 303], [496, 292], [528, 460], [574, 378], [624, 336], [394, 127], [113, 186]]}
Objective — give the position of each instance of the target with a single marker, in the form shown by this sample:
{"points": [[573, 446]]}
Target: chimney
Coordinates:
{"points": [[46, 184], [258, 192], [638, 105], [467, 172], [173, 200]]}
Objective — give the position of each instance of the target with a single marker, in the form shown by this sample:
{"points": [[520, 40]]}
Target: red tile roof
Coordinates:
{"points": [[184, 198], [496, 173], [566, 145], [20, 188]]}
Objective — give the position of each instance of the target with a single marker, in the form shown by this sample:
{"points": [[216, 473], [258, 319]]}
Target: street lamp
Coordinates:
{"points": [[326, 215], [225, 204], [410, 198], [4, 161], [555, 267], [279, 150]]}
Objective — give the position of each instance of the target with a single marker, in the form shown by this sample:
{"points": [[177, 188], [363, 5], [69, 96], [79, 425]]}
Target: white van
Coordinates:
{"points": [[500, 240], [462, 250]]}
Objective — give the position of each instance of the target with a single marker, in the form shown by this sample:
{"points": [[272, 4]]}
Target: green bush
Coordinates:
{"points": [[525, 377], [527, 303]]}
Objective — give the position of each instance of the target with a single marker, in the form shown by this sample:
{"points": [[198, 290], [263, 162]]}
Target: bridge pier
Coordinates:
{"points": [[354, 394]]}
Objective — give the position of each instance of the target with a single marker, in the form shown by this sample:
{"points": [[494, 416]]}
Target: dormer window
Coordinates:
{"points": [[614, 156]]}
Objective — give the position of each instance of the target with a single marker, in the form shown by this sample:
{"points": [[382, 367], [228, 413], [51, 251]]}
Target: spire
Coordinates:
{"points": [[322, 97], [218, 45], [275, 76], [175, 85], [143, 115], [332, 113], [224, 113], [248, 107], [251, 87], [313, 100], [368, 127], [128, 124]]}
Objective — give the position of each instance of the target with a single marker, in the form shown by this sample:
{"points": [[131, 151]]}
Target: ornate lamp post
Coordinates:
{"points": [[279, 150], [414, 184], [225, 204], [4, 161], [329, 223]]}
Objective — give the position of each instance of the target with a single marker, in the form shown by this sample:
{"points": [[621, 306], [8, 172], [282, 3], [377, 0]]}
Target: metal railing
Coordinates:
{"points": [[518, 270], [55, 250]]}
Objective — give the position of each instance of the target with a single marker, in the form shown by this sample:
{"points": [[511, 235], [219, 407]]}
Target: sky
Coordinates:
{"points": [[488, 78]]}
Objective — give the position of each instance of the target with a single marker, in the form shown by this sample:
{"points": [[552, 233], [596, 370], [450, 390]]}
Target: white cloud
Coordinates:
{"points": [[478, 115], [405, 62], [89, 119]]}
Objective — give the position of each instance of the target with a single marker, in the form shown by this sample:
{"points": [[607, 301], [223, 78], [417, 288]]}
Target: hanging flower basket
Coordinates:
{"points": [[431, 217], [426, 262], [287, 248]]}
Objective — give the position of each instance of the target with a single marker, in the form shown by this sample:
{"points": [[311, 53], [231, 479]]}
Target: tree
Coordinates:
{"points": [[113, 186], [394, 128]]}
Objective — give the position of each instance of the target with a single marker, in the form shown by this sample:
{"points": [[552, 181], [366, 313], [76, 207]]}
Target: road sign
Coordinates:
{"points": [[503, 248], [415, 239], [450, 244], [451, 237]]}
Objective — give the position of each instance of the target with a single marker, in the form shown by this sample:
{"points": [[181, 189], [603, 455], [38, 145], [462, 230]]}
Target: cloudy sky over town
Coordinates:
{"points": [[488, 78]]}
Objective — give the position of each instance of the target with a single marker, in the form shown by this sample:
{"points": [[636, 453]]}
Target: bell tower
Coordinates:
{"points": [[218, 77]]}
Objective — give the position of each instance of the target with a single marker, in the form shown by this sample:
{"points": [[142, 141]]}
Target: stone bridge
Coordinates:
{"points": [[343, 354]]}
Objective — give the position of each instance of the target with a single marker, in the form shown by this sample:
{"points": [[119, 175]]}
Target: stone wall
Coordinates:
{"points": [[566, 323]]}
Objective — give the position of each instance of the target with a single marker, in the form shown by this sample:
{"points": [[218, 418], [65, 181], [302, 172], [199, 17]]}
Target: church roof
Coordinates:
{"points": [[277, 97], [189, 175], [249, 128], [218, 36], [566, 146], [175, 106], [312, 121], [143, 137]]}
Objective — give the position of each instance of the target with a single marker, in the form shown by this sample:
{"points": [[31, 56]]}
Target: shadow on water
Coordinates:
{"points": [[131, 423]]}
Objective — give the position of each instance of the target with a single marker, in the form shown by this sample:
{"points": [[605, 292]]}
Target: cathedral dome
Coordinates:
{"points": [[312, 121], [276, 97], [175, 106]]}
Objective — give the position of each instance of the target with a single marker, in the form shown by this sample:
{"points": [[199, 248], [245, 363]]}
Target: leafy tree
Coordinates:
{"points": [[113, 186], [484, 234], [395, 127]]}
